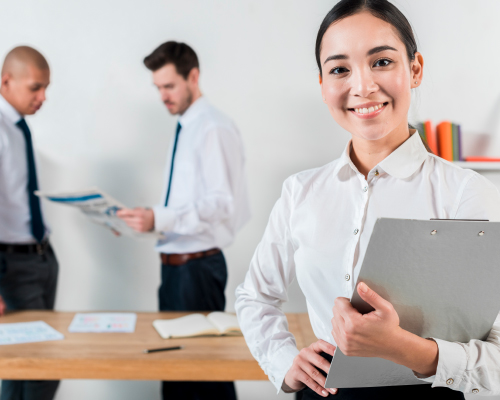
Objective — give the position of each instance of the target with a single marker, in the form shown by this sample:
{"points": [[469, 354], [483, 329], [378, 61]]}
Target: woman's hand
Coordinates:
{"points": [[368, 335], [378, 334], [304, 371]]}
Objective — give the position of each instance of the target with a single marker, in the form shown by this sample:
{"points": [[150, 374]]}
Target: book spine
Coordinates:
{"points": [[420, 129], [444, 136], [454, 139], [430, 134], [459, 135]]}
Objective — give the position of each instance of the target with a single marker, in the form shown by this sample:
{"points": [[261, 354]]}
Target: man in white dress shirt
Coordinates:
{"points": [[204, 202], [28, 266]]}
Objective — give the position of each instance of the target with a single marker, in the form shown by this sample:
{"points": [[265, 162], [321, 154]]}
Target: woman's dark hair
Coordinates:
{"points": [[180, 54], [378, 8]]}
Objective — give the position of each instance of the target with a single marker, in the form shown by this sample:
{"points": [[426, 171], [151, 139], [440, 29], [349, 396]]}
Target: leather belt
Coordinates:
{"points": [[181, 259], [35, 248]]}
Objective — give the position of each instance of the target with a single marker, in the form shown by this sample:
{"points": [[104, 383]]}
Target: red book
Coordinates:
{"points": [[445, 140], [482, 159], [431, 137]]}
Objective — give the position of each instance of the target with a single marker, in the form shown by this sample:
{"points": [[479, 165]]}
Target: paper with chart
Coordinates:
{"points": [[99, 207], [28, 332], [103, 322]]}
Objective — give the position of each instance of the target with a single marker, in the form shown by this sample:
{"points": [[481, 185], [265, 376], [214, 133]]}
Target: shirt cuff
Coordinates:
{"points": [[164, 219], [280, 364], [452, 362]]}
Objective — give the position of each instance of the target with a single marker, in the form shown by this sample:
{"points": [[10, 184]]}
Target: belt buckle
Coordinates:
{"points": [[39, 249]]}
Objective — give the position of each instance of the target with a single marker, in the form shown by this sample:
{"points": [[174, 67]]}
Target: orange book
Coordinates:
{"points": [[431, 137], [445, 140]]}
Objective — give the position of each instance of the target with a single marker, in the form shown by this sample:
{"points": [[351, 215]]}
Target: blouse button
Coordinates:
{"points": [[356, 231], [347, 277], [449, 381], [475, 390], [365, 189]]}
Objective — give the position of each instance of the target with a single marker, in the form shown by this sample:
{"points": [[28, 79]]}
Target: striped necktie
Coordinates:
{"points": [[37, 226], [178, 130]]}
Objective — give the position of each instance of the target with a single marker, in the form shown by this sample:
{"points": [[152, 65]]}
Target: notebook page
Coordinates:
{"points": [[225, 322], [190, 325]]}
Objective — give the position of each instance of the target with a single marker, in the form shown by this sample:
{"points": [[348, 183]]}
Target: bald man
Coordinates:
{"points": [[28, 267]]}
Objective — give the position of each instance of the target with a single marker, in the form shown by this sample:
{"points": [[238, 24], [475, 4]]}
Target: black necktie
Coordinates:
{"points": [[178, 130], [37, 227]]}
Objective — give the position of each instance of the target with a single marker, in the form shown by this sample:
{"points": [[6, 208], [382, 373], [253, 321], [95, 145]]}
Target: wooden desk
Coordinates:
{"points": [[120, 356]]}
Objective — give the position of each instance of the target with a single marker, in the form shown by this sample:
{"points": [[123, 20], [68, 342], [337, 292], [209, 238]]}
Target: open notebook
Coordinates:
{"points": [[214, 324]]}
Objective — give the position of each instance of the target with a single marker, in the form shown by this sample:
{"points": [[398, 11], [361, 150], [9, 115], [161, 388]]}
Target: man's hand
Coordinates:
{"points": [[140, 219], [368, 335], [3, 306], [304, 370]]}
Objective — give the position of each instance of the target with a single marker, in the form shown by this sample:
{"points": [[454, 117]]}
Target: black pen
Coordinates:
{"points": [[162, 349]]}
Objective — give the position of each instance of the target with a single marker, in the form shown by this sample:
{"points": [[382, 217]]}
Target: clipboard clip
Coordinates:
{"points": [[481, 233]]}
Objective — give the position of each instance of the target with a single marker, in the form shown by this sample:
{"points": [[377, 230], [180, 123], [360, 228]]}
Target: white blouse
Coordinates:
{"points": [[318, 232]]}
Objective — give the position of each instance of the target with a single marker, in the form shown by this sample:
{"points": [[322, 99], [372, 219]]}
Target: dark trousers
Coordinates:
{"points": [[424, 392], [197, 285], [28, 282]]}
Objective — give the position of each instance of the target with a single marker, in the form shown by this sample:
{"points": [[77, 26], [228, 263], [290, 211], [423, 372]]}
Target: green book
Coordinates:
{"points": [[421, 130], [455, 142]]}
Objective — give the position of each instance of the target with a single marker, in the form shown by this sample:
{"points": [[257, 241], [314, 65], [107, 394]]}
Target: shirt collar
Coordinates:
{"points": [[401, 163], [345, 159], [8, 111], [193, 111], [406, 159]]}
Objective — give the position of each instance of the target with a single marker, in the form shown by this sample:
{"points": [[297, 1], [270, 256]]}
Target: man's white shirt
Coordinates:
{"points": [[15, 214], [318, 232], [208, 200]]}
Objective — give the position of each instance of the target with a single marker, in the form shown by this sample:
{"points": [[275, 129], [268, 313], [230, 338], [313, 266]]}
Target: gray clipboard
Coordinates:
{"points": [[443, 279]]}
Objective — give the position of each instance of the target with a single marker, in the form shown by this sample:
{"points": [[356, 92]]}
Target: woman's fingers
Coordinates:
{"points": [[318, 361], [312, 384], [324, 347], [312, 361], [306, 368]]}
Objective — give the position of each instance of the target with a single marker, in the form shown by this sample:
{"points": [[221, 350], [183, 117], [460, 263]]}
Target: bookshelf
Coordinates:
{"points": [[479, 166], [446, 141]]}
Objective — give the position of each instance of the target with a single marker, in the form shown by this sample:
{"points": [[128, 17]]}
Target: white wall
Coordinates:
{"points": [[103, 124]]}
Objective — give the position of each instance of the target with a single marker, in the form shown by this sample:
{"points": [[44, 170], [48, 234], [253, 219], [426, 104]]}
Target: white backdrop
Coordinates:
{"points": [[104, 125]]}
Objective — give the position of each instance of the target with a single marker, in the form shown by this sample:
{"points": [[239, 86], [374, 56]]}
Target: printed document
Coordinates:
{"points": [[103, 322], [28, 332], [99, 207]]}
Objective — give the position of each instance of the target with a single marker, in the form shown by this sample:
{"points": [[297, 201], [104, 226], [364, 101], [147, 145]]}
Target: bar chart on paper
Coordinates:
{"points": [[103, 322]]}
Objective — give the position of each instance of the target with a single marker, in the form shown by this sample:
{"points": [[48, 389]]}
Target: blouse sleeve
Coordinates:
{"points": [[260, 296]]}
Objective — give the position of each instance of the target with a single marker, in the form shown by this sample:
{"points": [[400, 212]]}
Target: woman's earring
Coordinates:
{"points": [[416, 82]]}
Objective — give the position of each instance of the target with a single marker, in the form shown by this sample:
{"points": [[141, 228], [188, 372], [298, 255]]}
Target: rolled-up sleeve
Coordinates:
{"points": [[260, 296]]}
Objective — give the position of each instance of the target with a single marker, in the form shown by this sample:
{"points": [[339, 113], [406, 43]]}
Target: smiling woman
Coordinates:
{"points": [[319, 229], [368, 62]]}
